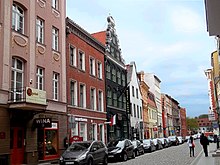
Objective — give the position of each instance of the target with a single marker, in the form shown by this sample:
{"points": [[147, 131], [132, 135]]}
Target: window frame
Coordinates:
{"points": [[55, 38], [17, 93], [40, 78], [17, 14], [55, 86], [55, 4], [81, 64], [93, 98], [82, 95], [73, 59], [99, 70], [100, 101], [92, 66], [40, 30], [73, 93]]}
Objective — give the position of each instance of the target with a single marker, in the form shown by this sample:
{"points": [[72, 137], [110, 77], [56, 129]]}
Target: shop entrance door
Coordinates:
{"points": [[17, 145]]}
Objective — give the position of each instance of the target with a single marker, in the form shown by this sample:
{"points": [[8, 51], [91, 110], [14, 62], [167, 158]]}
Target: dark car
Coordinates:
{"points": [[174, 140], [120, 150], [148, 145], [86, 152], [158, 144], [138, 147], [164, 142]]}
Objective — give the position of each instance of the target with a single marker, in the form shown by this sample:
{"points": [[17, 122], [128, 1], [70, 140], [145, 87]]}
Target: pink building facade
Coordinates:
{"points": [[32, 81]]}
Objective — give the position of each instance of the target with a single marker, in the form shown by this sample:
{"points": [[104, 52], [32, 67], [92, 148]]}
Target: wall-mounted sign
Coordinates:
{"points": [[35, 96], [80, 119], [76, 139], [43, 122]]}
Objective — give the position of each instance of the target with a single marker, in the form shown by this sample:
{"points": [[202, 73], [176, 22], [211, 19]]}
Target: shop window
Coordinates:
{"points": [[47, 140]]}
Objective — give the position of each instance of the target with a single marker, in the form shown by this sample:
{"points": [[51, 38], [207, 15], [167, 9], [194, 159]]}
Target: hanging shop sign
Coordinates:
{"points": [[43, 122]]}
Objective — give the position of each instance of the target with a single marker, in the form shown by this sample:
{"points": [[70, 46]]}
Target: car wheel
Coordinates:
{"points": [[125, 157], [90, 162], [137, 153], [105, 161], [133, 156]]}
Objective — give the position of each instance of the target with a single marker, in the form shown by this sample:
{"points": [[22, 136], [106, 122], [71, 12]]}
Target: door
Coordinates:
{"points": [[17, 145]]}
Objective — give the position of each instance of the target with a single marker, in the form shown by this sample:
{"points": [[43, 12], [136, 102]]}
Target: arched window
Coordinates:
{"points": [[17, 80], [17, 18]]}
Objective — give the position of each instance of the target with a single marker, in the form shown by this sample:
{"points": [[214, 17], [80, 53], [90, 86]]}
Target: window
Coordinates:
{"points": [[74, 129], [138, 115], [72, 56], [114, 75], [40, 78], [82, 99], [55, 4], [94, 132], [133, 91], [109, 97], [40, 30], [17, 19], [17, 78], [115, 99], [99, 65], [123, 80], [101, 133], [120, 102], [73, 93], [93, 98], [83, 131], [108, 70], [55, 85], [81, 61], [92, 66], [134, 107], [137, 93], [141, 113], [124, 102], [119, 77], [55, 38], [100, 101]]}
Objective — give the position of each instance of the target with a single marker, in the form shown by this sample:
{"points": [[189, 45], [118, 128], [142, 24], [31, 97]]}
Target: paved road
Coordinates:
{"points": [[175, 155]]}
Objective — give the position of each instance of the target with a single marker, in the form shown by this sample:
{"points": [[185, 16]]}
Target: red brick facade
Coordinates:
{"points": [[91, 118]]}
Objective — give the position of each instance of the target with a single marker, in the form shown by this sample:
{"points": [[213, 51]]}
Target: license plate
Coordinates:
{"points": [[110, 156], [69, 163]]}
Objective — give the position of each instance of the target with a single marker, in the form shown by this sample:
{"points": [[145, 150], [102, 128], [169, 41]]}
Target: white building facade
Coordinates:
{"points": [[136, 117]]}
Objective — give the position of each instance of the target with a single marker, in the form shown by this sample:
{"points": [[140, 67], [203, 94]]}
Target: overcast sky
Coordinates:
{"points": [[166, 37]]}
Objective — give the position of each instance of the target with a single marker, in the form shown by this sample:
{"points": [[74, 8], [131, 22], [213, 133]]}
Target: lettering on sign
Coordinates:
{"points": [[43, 122]]}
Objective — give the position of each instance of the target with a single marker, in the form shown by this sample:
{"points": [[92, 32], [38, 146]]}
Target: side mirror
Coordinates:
{"points": [[94, 149]]}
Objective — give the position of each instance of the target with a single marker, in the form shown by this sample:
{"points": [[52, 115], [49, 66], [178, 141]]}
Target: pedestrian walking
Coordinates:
{"points": [[191, 145], [204, 142]]}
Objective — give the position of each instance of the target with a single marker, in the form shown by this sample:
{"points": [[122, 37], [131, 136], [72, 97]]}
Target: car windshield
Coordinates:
{"points": [[146, 141], [134, 143], [120, 144], [79, 146], [116, 144]]}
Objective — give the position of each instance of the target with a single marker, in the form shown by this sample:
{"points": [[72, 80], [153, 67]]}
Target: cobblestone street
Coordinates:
{"points": [[175, 155]]}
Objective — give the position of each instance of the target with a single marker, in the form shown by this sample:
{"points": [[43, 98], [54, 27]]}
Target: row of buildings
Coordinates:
{"points": [[60, 83], [213, 73]]}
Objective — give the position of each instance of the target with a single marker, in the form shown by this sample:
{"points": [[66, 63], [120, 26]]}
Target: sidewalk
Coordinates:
{"points": [[210, 160]]}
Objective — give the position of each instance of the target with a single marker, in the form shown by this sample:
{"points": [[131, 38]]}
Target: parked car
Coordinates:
{"points": [[138, 147], [148, 145], [210, 139], [187, 138], [174, 140], [180, 138], [158, 144], [121, 150], [86, 152], [164, 142]]}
